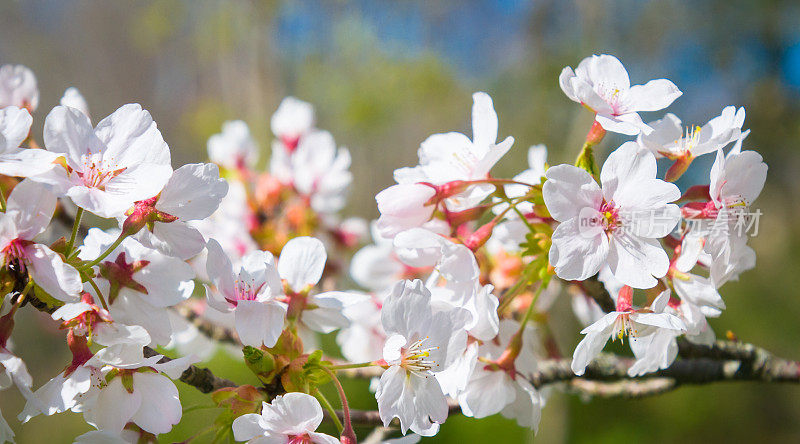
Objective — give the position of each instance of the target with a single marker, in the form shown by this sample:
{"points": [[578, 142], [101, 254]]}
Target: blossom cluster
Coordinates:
{"points": [[455, 280]]}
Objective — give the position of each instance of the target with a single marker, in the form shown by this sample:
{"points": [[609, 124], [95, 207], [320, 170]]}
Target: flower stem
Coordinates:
{"points": [[108, 251], [349, 366], [324, 401], [529, 313], [347, 431], [75, 226], [2, 200], [99, 294]]}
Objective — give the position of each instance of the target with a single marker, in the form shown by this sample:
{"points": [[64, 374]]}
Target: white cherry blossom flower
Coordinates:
{"points": [[250, 293], [122, 160], [671, 140], [194, 192], [28, 212], [320, 171], [131, 391], [618, 224], [601, 83], [635, 323], [293, 119], [290, 418], [492, 390], [736, 181], [452, 156], [138, 282], [18, 87], [421, 342], [233, 148], [300, 266]]}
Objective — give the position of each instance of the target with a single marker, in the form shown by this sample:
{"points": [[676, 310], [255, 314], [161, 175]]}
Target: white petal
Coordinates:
{"points": [[193, 192], [653, 96], [302, 261], [259, 323], [49, 271], [567, 190], [161, 408]]}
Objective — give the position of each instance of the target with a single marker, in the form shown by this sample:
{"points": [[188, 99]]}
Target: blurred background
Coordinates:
{"points": [[384, 75]]}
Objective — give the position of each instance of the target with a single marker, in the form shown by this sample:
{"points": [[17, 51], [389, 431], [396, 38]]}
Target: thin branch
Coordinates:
{"points": [[597, 291], [200, 378]]}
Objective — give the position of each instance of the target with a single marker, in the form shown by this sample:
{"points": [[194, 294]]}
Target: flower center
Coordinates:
{"points": [[14, 251], [299, 439], [610, 216], [623, 326], [415, 358], [96, 173], [245, 289]]}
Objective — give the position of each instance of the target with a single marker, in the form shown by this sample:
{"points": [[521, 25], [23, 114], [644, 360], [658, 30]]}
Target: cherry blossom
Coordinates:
{"points": [[601, 83], [670, 140], [292, 120], [194, 192], [234, 148], [320, 171], [290, 418], [420, 342], [250, 294], [28, 212], [635, 323], [135, 390], [618, 224], [505, 385], [18, 87], [139, 282], [106, 169]]}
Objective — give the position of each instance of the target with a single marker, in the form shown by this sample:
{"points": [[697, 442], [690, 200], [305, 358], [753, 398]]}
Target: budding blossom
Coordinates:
{"points": [[618, 224], [18, 87], [290, 418], [601, 83], [106, 169], [420, 343], [28, 212]]}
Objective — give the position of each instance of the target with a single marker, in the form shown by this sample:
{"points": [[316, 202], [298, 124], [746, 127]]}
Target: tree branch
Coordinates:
{"points": [[597, 291], [200, 378]]}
